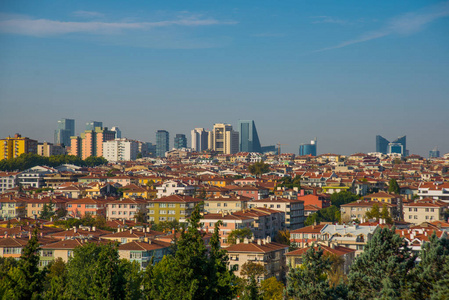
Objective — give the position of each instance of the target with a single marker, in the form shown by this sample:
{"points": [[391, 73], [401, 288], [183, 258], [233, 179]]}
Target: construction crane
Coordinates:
{"points": [[279, 147]]}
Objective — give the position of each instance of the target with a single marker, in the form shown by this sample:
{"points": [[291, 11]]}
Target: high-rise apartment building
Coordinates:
{"points": [[65, 129], [199, 139], [308, 149], [223, 139], [11, 147], [120, 150], [248, 137], [48, 149], [90, 142], [118, 133], [93, 124], [162, 143], [180, 141], [399, 145]]}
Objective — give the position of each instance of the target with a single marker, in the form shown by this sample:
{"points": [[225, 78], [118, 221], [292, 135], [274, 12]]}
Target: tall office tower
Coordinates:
{"points": [[180, 141], [120, 150], [93, 124], [224, 140], [90, 142], [308, 149], [381, 144], [199, 139], [434, 153], [403, 141], [65, 129], [248, 137], [118, 133], [12, 147], [162, 143]]}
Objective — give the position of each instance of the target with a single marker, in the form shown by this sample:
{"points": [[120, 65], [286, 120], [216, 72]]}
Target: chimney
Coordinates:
{"points": [[259, 242], [131, 231], [74, 229], [245, 241], [93, 228]]}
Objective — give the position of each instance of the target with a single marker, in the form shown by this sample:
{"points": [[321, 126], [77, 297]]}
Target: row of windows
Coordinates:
{"points": [[123, 213], [162, 219], [415, 217], [164, 212], [123, 205], [169, 205], [416, 209]]}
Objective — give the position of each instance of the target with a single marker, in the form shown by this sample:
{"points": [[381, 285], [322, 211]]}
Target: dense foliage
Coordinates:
{"points": [[29, 160], [343, 197], [328, 214], [259, 168]]}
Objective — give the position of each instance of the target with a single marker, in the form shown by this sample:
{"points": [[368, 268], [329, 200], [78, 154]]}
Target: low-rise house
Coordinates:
{"points": [[135, 191], [12, 247], [306, 236], [435, 190], [261, 251], [144, 252], [320, 200], [12, 207], [253, 192], [172, 187]]}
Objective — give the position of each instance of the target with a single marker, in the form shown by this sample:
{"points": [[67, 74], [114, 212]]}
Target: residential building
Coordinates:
{"points": [[230, 222], [144, 252], [35, 176], [34, 206], [248, 137], [226, 203], [124, 236], [359, 208], [170, 208], [267, 221], [223, 139], [295, 258], [12, 207], [435, 190], [292, 208], [308, 149], [8, 180], [48, 149], [172, 187], [65, 129], [125, 209], [260, 251], [425, 210], [120, 150], [82, 207], [12, 247], [180, 141], [306, 236], [162, 143], [199, 139], [90, 142], [319, 200], [12, 147], [253, 192]]}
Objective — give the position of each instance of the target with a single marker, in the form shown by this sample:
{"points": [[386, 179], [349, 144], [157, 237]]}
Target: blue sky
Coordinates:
{"points": [[342, 71]]}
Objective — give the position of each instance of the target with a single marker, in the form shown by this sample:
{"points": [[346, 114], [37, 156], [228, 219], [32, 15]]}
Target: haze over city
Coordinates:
{"points": [[341, 71]]}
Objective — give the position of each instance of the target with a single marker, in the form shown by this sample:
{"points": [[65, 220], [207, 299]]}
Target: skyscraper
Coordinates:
{"points": [[93, 124], [434, 153], [399, 145], [199, 139], [248, 137], [223, 139], [65, 129], [162, 143], [308, 149], [381, 144], [180, 141], [90, 142]]}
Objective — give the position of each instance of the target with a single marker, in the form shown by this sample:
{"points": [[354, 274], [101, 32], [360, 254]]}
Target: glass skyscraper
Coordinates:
{"points": [[92, 124], [162, 143], [248, 138], [180, 141], [65, 129], [399, 145], [308, 149], [381, 144]]}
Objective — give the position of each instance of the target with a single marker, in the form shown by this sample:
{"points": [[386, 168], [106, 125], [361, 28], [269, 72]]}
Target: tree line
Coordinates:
{"points": [[29, 160]]}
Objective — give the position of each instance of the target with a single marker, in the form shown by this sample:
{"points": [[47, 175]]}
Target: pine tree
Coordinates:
{"points": [[393, 186], [383, 269]]}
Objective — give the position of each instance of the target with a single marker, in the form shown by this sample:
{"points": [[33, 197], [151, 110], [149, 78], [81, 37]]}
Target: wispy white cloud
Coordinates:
{"points": [[328, 19], [402, 25], [45, 27], [87, 14]]}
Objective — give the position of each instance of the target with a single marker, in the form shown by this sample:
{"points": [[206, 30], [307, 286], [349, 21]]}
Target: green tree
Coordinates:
{"points": [[343, 197], [328, 214], [250, 269], [383, 269], [259, 168], [282, 237], [192, 272], [93, 161], [393, 186], [55, 280], [374, 212], [139, 155], [251, 290], [239, 234], [272, 289], [310, 280], [95, 272], [385, 214], [47, 210], [141, 216]]}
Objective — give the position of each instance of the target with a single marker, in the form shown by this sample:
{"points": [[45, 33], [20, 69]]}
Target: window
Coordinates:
{"points": [[171, 205], [135, 255], [125, 206], [171, 212], [114, 212], [218, 204], [151, 205], [113, 205], [162, 212], [278, 206], [151, 212], [162, 204], [427, 210], [410, 209], [415, 217], [151, 219], [171, 219], [225, 204], [79, 205], [162, 218]]}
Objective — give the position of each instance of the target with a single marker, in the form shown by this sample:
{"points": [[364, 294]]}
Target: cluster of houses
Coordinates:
{"points": [[130, 196]]}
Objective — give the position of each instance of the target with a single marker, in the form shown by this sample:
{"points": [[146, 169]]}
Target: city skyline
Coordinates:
{"points": [[343, 72]]}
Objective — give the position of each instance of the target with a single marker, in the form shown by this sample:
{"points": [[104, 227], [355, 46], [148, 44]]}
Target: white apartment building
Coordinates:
{"points": [[435, 190], [199, 139], [8, 180], [120, 150], [292, 208]]}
